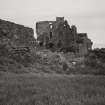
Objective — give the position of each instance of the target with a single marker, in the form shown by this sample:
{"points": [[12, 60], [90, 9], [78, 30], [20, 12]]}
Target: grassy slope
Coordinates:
{"points": [[50, 89]]}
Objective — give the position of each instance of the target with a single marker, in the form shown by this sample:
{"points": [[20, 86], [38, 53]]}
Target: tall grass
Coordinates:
{"points": [[52, 90]]}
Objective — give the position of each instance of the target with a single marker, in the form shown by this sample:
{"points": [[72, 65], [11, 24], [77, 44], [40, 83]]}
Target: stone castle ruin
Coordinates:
{"points": [[59, 48], [59, 35]]}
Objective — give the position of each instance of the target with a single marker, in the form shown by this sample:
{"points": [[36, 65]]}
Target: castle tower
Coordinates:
{"points": [[60, 19]]}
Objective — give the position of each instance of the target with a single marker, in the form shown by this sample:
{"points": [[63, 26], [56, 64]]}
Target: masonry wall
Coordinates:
{"points": [[17, 34], [62, 36]]}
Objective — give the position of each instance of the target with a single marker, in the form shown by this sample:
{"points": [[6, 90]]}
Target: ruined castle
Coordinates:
{"points": [[57, 35], [60, 35]]}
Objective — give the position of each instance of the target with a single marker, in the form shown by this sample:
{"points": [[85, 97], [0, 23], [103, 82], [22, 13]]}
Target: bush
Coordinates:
{"points": [[95, 64]]}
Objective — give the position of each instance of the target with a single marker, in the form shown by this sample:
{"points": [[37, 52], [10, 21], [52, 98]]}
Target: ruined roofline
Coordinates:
{"points": [[6, 21], [82, 34], [57, 18], [41, 22]]}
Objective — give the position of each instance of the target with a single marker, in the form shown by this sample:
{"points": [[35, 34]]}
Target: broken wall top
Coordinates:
{"points": [[18, 34]]}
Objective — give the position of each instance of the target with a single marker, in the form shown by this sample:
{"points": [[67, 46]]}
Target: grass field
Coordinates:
{"points": [[51, 89]]}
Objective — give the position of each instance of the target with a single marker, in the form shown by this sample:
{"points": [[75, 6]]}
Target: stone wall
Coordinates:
{"points": [[16, 34], [60, 35], [55, 32]]}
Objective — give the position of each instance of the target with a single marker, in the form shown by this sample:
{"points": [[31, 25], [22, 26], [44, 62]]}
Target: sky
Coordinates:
{"points": [[87, 15]]}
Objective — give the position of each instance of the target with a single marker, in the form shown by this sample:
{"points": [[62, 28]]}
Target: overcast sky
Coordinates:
{"points": [[87, 15]]}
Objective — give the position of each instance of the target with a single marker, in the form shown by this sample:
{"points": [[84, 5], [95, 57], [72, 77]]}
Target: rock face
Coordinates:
{"points": [[15, 34], [59, 35]]}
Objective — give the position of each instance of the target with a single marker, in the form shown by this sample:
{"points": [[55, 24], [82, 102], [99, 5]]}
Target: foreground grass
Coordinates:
{"points": [[50, 89]]}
